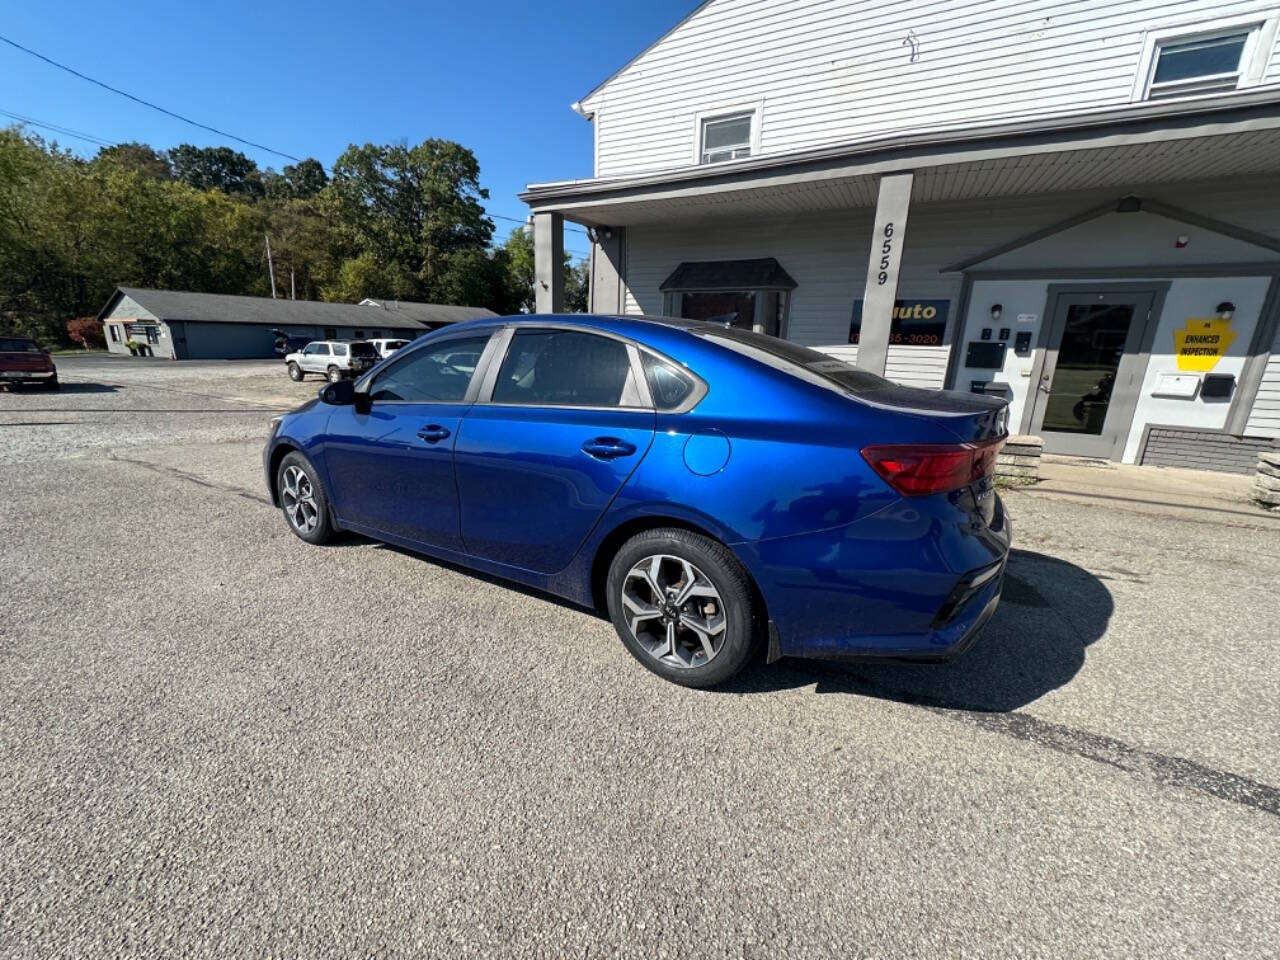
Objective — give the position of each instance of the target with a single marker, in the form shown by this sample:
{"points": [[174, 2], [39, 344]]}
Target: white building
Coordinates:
{"points": [[1074, 203]]}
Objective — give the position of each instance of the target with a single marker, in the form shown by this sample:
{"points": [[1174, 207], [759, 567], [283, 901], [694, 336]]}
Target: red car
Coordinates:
{"points": [[22, 360]]}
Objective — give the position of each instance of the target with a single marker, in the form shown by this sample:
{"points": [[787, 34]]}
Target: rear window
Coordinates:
{"points": [[17, 345], [802, 362], [363, 350]]}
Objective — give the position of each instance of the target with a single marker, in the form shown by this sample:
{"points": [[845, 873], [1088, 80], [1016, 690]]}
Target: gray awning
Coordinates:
{"points": [[763, 274]]}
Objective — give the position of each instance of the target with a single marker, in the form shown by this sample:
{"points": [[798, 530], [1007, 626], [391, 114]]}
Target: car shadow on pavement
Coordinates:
{"points": [[64, 387], [1050, 612]]}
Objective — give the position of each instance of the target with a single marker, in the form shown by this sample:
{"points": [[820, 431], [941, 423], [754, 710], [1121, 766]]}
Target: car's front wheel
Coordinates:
{"points": [[683, 606], [334, 374], [295, 372], [303, 499]]}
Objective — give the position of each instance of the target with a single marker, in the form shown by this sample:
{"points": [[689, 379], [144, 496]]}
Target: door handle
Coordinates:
{"points": [[433, 433], [608, 448]]}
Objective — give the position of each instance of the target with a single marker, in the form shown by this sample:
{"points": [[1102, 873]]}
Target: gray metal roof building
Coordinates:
{"points": [[191, 326]]}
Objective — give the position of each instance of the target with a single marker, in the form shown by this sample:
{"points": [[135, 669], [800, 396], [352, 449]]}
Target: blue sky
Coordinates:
{"points": [[309, 78]]}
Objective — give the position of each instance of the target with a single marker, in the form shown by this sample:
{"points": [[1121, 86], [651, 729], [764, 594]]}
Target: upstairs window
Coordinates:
{"points": [[726, 138], [1206, 64]]}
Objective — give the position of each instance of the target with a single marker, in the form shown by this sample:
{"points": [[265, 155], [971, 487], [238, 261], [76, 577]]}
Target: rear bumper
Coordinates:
{"points": [[27, 376], [899, 585]]}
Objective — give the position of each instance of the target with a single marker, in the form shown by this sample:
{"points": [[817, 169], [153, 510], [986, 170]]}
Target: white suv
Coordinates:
{"points": [[333, 359], [386, 348]]}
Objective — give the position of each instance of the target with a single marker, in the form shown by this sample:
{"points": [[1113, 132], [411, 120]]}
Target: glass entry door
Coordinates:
{"points": [[1091, 371]]}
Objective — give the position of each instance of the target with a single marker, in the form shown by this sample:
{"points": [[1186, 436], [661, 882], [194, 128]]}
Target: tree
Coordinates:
{"points": [[306, 178], [86, 331], [577, 286], [521, 274], [216, 168], [140, 157], [414, 211]]}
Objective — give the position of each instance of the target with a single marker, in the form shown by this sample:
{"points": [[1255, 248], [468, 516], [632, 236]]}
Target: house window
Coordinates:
{"points": [[331, 333], [760, 310], [747, 294], [359, 335], [1204, 64], [726, 138], [115, 332]]}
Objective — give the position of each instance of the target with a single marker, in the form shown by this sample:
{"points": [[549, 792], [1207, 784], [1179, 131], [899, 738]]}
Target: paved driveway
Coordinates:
{"points": [[215, 740]]}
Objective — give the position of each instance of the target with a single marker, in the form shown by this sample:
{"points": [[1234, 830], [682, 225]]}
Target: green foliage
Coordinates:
{"points": [[394, 222], [139, 157], [520, 259], [216, 168]]}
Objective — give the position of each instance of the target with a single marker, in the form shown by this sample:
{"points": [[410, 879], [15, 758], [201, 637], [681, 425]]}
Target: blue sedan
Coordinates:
{"points": [[718, 492]]}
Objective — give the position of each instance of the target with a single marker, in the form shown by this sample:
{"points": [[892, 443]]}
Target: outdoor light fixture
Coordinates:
{"points": [[996, 310], [1181, 241], [1226, 310]]}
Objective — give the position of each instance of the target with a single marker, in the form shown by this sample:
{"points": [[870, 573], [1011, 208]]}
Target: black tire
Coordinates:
{"points": [[295, 373], [334, 374], [743, 622], [52, 383], [307, 512]]}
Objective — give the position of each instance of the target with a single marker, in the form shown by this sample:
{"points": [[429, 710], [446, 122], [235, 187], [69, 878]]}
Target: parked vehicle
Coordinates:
{"points": [[713, 489], [334, 359], [386, 348], [22, 360]]}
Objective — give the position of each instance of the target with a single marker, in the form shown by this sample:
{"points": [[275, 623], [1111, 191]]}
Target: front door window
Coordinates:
{"points": [[1087, 391], [1089, 356]]}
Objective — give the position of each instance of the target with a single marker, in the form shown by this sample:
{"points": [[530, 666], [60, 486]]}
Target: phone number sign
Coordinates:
{"points": [[916, 323]]}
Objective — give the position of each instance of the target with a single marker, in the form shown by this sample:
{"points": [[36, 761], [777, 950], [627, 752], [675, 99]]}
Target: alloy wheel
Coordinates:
{"points": [[673, 611], [298, 497]]}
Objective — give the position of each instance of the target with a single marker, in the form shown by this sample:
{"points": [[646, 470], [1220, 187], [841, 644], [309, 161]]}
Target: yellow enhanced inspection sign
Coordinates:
{"points": [[1201, 342]]}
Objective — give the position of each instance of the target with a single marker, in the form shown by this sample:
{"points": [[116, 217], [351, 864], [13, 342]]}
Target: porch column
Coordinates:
{"points": [[607, 294], [882, 270], [548, 262]]}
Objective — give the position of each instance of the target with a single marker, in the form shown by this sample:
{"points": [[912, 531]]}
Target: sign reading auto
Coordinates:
{"points": [[916, 323]]}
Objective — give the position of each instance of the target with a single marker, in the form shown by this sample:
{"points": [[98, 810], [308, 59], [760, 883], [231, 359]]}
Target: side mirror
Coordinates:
{"points": [[340, 394]]}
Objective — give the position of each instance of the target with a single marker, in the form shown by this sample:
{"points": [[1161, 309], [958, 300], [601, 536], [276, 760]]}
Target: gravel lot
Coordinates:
{"points": [[216, 740]]}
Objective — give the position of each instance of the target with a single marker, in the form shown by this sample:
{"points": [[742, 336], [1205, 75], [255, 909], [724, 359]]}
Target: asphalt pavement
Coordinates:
{"points": [[216, 740]]}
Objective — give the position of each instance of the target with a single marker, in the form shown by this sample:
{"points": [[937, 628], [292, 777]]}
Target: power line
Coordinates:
{"points": [[567, 226], [65, 131], [148, 103]]}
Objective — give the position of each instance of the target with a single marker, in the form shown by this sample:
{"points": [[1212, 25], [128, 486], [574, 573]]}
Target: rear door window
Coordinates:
{"points": [[566, 368]]}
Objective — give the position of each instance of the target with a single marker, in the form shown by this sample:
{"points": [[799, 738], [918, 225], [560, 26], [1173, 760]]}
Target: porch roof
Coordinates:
{"points": [[1226, 135]]}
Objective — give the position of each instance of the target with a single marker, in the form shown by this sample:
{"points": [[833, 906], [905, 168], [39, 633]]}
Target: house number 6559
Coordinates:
{"points": [[886, 250]]}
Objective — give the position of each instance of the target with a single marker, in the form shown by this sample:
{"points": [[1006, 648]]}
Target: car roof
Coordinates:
{"points": [[635, 325]]}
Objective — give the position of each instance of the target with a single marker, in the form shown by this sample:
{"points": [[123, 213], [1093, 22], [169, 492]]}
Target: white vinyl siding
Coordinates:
{"points": [[1264, 418], [836, 71]]}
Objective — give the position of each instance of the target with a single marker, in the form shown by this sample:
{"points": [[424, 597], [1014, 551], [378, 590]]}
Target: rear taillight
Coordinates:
{"points": [[918, 469]]}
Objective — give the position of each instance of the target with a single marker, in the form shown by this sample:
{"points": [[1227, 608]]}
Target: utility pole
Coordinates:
{"points": [[271, 268], [293, 287]]}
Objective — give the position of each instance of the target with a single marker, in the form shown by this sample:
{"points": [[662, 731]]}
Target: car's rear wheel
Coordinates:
{"points": [[334, 374], [303, 499], [295, 372], [683, 606], [52, 383]]}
